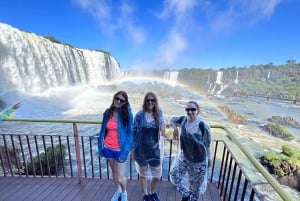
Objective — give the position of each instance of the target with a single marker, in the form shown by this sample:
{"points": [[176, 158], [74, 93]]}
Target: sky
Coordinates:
{"points": [[168, 34]]}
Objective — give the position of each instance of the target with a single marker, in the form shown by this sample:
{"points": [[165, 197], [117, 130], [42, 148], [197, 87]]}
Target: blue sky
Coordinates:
{"points": [[168, 34]]}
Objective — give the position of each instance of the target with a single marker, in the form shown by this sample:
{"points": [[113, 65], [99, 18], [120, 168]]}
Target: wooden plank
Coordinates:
{"points": [[67, 189], [60, 190]]}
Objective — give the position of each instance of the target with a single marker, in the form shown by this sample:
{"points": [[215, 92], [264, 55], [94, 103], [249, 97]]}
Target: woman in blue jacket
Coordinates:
{"points": [[115, 140]]}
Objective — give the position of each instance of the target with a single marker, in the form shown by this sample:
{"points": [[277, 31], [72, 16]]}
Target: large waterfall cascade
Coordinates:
{"points": [[33, 64]]}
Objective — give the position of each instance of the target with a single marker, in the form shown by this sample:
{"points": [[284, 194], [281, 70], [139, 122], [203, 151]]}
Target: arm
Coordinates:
{"points": [[208, 139], [174, 123], [162, 125], [9, 111]]}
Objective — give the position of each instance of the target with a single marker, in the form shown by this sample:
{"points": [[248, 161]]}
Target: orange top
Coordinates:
{"points": [[112, 139]]}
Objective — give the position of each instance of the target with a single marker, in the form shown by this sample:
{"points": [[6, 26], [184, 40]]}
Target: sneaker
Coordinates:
{"points": [[154, 197], [185, 198], [147, 198], [124, 196], [116, 195]]}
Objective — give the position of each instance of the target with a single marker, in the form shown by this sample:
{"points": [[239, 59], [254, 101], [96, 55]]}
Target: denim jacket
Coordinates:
{"points": [[124, 133]]}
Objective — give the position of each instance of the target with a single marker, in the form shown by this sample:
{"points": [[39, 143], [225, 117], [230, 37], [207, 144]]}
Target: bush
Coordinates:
{"points": [[52, 157]]}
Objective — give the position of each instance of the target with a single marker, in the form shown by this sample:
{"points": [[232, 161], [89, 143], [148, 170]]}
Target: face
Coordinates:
{"points": [[150, 102], [119, 100], [192, 111]]}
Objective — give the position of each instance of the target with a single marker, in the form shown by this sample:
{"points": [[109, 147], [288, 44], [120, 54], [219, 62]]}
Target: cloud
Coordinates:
{"points": [[170, 50], [240, 13], [114, 16]]}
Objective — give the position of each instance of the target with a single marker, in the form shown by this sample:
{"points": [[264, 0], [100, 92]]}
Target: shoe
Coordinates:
{"points": [[124, 196], [147, 198], [185, 198], [116, 195], [154, 197]]}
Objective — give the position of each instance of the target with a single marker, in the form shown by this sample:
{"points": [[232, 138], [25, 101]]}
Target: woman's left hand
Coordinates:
{"points": [[120, 160]]}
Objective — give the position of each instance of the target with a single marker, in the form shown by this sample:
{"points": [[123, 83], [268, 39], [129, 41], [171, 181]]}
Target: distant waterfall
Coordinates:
{"points": [[219, 77], [269, 74], [32, 64], [236, 81], [171, 76], [218, 84]]}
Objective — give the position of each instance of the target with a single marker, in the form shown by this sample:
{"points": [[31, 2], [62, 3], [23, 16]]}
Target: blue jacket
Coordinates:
{"points": [[124, 133]]}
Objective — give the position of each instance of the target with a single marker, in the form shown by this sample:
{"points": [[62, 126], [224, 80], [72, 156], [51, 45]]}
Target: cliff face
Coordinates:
{"points": [[282, 81], [32, 64]]}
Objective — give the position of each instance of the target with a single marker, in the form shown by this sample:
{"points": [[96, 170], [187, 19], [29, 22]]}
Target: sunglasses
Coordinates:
{"points": [[190, 109], [119, 99], [148, 100]]}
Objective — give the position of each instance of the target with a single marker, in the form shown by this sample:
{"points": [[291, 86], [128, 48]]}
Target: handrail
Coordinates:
{"points": [[274, 183], [53, 120]]}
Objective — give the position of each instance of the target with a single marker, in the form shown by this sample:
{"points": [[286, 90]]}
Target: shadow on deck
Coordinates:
{"points": [[37, 188]]}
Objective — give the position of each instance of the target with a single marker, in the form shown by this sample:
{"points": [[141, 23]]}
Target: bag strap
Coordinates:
{"points": [[202, 127]]}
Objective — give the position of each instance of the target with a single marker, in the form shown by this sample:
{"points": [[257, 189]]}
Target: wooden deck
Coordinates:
{"points": [[36, 189]]}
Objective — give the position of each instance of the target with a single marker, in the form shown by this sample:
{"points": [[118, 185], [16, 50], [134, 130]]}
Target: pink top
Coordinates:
{"points": [[112, 139]]}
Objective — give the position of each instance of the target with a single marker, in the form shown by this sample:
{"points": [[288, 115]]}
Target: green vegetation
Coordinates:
{"points": [[290, 156], [293, 153], [12, 158], [53, 39], [54, 158], [280, 131]]}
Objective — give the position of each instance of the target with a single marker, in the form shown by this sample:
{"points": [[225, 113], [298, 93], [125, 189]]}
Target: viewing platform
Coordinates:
{"points": [[48, 166]]}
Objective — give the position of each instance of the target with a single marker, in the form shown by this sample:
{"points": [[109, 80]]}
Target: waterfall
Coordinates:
{"points": [[171, 76], [219, 77], [269, 74], [33, 64], [236, 81]]}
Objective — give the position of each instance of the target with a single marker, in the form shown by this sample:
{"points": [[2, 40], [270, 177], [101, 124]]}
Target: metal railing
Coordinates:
{"points": [[52, 155]]}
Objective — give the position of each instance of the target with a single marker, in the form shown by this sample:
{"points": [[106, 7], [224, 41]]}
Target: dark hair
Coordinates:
{"points": [[124, 107], [195, 103], [155, 109]]}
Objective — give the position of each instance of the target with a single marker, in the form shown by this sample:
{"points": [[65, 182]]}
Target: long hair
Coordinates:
{"points": [[124, 107], [155, 110]]}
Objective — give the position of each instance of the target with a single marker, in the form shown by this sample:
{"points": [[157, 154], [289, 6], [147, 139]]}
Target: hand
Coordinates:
{"points": [[16, 106], [209, 163], [132, 156], [120, 160], [175, 133]]}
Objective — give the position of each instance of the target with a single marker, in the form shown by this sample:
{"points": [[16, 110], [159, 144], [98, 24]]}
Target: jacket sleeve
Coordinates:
{"points": [[129, 136], [6, 113], [102, 132], [136, 129]]}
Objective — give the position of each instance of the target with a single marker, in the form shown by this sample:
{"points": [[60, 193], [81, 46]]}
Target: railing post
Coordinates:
{"points": [[77, 151]]}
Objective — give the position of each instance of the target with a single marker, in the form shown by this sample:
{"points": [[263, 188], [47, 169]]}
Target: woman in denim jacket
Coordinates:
{"points": [[115, 140]]}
